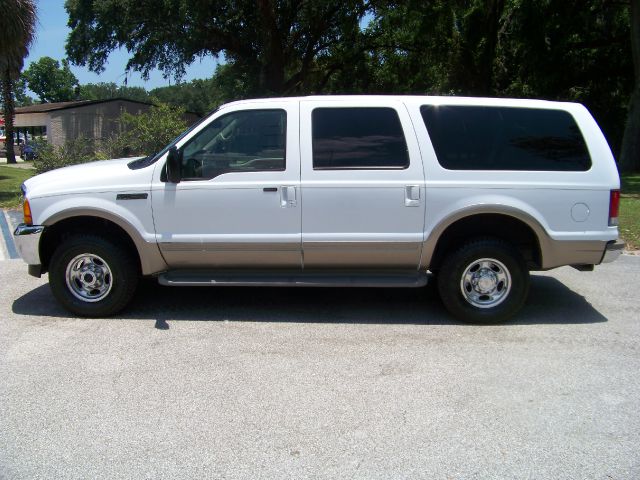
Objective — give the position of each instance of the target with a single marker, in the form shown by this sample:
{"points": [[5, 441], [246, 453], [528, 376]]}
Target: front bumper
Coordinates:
{"points": [[612, 251], [27, 240]]}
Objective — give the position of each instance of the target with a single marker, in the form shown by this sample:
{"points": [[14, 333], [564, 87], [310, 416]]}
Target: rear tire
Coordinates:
{"points": [[91, 276], [484, 281]]}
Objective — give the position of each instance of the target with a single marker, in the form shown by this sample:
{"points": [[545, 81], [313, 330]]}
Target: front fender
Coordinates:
{"points": [[133, 216]]}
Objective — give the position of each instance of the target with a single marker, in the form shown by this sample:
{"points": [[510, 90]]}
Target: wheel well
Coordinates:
{"points": [[54, 234], [504, 227]]}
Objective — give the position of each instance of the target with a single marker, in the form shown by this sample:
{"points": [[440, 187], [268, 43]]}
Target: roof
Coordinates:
{"points": [[50, 107], [368, 100]]}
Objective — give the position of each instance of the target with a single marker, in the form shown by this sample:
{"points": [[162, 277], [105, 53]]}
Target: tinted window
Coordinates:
{"points": [[246, 141], [358, 138], [505, 138]]}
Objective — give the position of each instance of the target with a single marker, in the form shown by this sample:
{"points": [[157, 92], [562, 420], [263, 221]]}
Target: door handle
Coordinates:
{"points": [[288, 197], [412, 195], [270, 189]]}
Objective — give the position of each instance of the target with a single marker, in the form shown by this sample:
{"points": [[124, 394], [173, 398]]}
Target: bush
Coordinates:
{"points": [[150, 132], [50, 157]]}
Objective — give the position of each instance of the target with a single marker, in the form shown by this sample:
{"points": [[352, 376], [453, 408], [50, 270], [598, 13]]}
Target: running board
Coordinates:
{"points": [[248, 279]]}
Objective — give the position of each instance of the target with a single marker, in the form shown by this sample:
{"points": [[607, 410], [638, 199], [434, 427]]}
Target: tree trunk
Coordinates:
{"points": [[630, 153], [8, 108], [272, 69], [487, 61]]}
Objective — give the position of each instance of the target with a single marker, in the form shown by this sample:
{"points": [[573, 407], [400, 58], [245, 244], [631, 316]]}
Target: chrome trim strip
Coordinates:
{"points": [[215, 278], [27, 241], [228, 247]]}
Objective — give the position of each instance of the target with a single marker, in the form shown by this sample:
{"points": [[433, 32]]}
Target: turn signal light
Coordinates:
{"points": [[26, 211], [614, 206]]}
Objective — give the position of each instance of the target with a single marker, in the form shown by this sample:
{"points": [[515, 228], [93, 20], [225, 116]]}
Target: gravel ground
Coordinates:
{"points": [[322, 383]]}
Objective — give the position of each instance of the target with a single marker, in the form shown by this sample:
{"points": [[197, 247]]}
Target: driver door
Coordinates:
{"points": [[237, 204]]}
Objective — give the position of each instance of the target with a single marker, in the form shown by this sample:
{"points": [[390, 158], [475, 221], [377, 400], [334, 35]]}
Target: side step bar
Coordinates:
{"points": [[195, 278]]}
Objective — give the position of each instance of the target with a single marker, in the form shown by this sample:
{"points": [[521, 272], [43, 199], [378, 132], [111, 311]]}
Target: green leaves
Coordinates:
{"points": [[51, 81]]}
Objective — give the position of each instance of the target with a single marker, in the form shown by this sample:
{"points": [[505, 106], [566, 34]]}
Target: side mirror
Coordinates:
{"points": [[174, 165]]}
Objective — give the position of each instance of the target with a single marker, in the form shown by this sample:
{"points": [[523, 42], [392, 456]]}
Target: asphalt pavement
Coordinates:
{"points": [[240, 383]]}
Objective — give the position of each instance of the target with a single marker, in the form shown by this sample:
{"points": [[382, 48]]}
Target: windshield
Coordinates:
{"points": [[146, 161]]}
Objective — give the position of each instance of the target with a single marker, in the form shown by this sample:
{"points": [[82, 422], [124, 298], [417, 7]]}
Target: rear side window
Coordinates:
{"points": [[358, 138], [505, 138]]}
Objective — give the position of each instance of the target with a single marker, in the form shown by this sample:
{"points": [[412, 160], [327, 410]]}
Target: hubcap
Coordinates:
{"points": [[89, 277], [485, 283]]}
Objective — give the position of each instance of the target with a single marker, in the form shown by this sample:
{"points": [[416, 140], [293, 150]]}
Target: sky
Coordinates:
{"points": [[51, 36]]}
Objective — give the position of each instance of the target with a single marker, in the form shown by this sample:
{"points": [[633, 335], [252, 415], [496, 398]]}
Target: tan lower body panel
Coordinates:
{"points": [[242, 255], [317, 255], [400, 255], [557, 253]]}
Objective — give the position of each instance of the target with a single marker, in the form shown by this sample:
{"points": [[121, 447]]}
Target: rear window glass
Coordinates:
{"points": [[505, 138], [358, 138]]}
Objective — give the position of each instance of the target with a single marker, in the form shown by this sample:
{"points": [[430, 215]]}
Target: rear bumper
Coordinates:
{"points": [[27, 241], [612, 251]]}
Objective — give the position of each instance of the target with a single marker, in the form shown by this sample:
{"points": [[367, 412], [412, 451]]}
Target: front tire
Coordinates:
{"points": [[91, 276], [484, 281]]}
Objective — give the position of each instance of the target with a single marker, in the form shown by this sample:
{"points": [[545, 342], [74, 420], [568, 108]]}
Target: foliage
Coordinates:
{"points": [[17, 25], [630, 154], [630, 211], [150, 132], [51, 81], [21, 98], [10, 180], [274, 46], [104, 91], [197, 96], [73, 152]]}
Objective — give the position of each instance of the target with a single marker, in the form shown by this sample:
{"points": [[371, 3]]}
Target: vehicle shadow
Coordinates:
{"points": [[550, 302]]}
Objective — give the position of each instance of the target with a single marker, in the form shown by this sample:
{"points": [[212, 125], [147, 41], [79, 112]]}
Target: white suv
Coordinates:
{"points": [[336, 191]]}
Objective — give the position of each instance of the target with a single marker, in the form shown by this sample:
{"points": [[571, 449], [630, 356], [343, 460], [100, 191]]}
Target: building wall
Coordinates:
{"points": [[96, 121], [31, 119]]}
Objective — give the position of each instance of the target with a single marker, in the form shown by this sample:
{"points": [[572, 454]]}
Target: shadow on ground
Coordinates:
{"points": [[550, 302]]}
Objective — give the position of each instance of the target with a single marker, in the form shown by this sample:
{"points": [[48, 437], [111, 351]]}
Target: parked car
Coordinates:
{"points": [[28, 151], [336, 191]]}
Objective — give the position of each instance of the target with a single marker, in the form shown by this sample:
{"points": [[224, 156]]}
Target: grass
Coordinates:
{"points": [[630, 211], [10, 180]]}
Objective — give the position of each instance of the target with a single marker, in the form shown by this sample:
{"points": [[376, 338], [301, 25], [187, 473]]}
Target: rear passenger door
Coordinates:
{"points": [[362, 185]]}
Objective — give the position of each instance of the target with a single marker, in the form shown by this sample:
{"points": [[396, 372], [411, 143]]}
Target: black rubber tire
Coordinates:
{"points": [[124, 269], [452, 269]]}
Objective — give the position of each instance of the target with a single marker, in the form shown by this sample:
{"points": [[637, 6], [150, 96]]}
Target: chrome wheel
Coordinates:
{"points": [[89, 277], [485, 283]]}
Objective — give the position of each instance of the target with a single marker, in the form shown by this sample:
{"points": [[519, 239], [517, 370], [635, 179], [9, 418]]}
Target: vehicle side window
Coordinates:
{"points": [[505, 138], [358, 138], [245, 141]]}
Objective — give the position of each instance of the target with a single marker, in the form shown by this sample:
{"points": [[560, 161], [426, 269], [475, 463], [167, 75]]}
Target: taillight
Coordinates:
{"points": [[26, 211], [614, 206]]}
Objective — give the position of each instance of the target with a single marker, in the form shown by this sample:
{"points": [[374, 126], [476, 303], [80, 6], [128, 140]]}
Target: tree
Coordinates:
{"points": [[20, 92], [273, 45], [198, 96], [104, 90], [51, 81], [630, 154], [17, 25], [571, 50]]}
